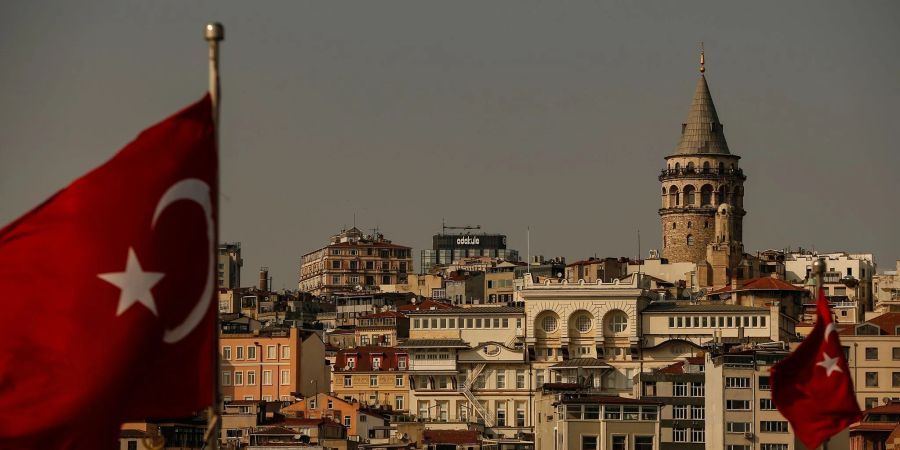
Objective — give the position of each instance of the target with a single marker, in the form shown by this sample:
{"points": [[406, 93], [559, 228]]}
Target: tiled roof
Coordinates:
{"points": [[457, 437], [888, 408], [275, 431], [433, 343], [673, 368], [589, 363], [887, 322], [475, 310], [383, 314], [702, 131], [761, 284], [390, 357], [426, 304], [668, 307]]}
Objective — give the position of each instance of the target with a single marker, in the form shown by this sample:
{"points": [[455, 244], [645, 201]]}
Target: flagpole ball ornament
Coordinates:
{"points": [[818, 266], [214, 31]]}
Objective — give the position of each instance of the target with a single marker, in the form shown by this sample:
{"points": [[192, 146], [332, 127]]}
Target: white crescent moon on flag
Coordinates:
{"points": [[197, 191]]}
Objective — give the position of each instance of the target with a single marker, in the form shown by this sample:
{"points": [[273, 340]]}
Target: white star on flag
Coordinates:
{"points": [[134, 283], [830, 364]]}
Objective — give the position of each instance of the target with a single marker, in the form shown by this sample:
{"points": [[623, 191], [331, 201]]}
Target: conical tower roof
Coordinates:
{"points": [[702, 132]]}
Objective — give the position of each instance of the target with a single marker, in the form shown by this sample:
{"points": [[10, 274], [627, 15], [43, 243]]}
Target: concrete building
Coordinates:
{"points": [[373, 377], [848, 276], [872, 349], [700, 177], [465, 288], [420, 285], [592, 270], [383, 329], [271, 364], [229, 263], [886, 289], [680, 390], [354, 260], [594, 422], [879, 429], [739, 405], [349, 307], [449, 248]]}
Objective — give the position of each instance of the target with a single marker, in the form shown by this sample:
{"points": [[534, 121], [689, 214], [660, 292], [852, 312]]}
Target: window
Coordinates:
{"points": [[591, 412], [773, 447], [267, 377], [590, 442], [619, 322], [401, 363], [373, 380], [226, 378], [619, 442], [764, 383], [698, 389], [737, 405], [351, 362], [398, 402], [240, 352], [895, 379], [583, 324], [737, 382], [549, 324], [501, 380], [251, 378], [238, 378], [270, 352], [630, 412], [285, 377], [330, 403], [346, 421], [335, 264], [773, 426], [737, 447], [251, 352], [680, 389], [376, 363], [738, 427], [612, 412], [871, 402], [766, 404], [679, 434], [335, 279], [649, 413], [690, 239], [698, 435], [643, 443], [698, 412], [871, 379], [285, 353], [226, 353], [520, 378], [520, 413], [132, 445], [871, 353], [398, 381], [500, 413], [679, 412]]}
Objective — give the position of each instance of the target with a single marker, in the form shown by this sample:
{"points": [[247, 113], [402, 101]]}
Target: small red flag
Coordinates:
{"points": [[108, 293], [812, 387]]}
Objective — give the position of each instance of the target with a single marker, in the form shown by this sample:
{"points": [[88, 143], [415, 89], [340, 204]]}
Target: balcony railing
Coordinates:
{"points": [[701, 172]]}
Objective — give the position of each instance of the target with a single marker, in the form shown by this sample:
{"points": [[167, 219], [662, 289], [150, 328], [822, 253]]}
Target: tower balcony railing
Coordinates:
{"points": [[695, 172]]}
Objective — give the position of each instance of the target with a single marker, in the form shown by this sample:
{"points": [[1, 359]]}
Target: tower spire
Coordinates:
{"points": [[702, 59]]}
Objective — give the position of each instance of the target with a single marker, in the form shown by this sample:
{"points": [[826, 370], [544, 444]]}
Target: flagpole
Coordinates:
{"points": [[213, 33], [818, 271]]}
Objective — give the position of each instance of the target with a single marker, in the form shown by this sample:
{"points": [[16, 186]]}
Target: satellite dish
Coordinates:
{"points": [[357, 287]]}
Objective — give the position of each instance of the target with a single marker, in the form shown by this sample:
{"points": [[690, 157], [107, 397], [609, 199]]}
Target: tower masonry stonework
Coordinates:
{"points": [[699, 176]]}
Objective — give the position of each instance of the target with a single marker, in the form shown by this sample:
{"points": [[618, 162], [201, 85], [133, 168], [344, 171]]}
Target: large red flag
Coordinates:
{"points": [[812, 387], [108, 286]]}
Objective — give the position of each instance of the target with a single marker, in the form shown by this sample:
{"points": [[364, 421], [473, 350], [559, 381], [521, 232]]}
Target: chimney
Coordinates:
{"points": [[264, 278]]}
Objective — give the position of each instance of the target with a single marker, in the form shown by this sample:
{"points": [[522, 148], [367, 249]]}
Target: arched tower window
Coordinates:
{"points": [[721, 167], [688, 195], [690, 239], [706, 195], [674, 225], [690, 167], [705, 166], [689, 224], [677, 167], [721, 197], [673, 197]]}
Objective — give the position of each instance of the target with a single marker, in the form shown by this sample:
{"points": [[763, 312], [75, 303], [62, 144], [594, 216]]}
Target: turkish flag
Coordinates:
{"points": [[108, 286], [812, 387]]}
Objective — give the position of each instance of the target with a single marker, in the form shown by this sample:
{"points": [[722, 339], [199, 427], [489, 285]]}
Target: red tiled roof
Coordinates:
{"points": [[887, 322], [458, 437], [275, 431], [390, 357], [383, 314], [873, 426], [674, 368], [889, 408], [761, 284]]}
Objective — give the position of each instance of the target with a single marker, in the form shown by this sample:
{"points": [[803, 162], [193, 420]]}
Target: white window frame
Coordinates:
{"points": [[285, 352], [226, 353], [270, 352], [285, 377]]}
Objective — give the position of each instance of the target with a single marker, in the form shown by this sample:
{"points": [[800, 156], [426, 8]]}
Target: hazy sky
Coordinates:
{"points": [[504, 114]]}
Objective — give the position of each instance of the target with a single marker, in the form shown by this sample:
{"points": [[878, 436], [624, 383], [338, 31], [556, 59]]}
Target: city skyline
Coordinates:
{"points": [[559, 122]]}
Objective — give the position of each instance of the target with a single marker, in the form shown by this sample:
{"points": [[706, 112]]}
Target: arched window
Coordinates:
{"points": [[618, 322], [705, 224], [689, 224], [721, 167], [674, 225], [677, 167], [690, 167], [706, 195], [549, 324], [689, 195], [690, 240], [705, 166], [721, 196], [583, 323], [673, 197]]}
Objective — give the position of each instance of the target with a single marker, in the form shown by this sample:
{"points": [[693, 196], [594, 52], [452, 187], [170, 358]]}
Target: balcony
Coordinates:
{"points": [[728, 174]]}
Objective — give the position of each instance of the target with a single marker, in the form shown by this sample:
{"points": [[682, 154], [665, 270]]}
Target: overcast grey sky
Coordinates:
{"points": [[504, 114]]}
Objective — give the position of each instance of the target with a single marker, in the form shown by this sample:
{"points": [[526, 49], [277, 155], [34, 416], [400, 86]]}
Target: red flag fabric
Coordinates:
{"points": [[108, 293], [812, 387]]}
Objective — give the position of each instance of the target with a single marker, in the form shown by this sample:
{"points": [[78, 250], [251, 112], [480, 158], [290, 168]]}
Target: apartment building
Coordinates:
{"points": [[680, 390], [381, 329], [872, 349], [498, 283], [593, 269], [354, 260], [739, 403], [886, 289], [349, 307], [229, 263], [594, 422], [330, 407], [848, 276], [271, 364], [373, 377]]}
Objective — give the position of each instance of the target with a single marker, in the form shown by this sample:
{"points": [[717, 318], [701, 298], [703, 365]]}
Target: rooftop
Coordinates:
{"points": [[433, 343], [702, 132], [458, 437], [669, 306], [475, 310], [761, 284]]}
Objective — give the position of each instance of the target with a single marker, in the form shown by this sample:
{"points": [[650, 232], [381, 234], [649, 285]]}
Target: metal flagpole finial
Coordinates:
{"points": [[214, 31], [702, 59]]}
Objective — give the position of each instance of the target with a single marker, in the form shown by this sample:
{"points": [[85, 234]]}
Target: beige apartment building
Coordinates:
{"points": [[680, 390], [739, 408], [353, 261], [271, 365], [595, 422], [873, 356], [886, 289], [592, 270]]}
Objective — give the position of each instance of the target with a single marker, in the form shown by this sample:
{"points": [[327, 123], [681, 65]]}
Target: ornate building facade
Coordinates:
{"points": [[700, 176]]}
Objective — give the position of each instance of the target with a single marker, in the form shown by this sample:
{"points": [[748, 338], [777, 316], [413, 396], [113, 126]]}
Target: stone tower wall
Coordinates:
{"points": [[702, 230]]}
